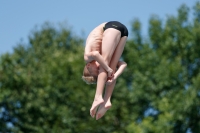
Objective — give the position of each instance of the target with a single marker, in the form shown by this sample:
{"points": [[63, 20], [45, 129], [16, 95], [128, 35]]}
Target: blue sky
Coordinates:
{"points": [[18, 18]]}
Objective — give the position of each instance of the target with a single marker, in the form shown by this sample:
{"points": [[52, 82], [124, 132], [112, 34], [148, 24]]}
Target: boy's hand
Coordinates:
{"points": [[110, 80], [110, 73]]}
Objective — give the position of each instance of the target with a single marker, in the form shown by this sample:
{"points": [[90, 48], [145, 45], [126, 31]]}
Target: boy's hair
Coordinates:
{"points": [[87, 77]]}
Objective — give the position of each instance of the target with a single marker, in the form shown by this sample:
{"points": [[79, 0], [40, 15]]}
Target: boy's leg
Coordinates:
{"points": [[110, 40], [99, 91], [113, 63], [109, 88]]}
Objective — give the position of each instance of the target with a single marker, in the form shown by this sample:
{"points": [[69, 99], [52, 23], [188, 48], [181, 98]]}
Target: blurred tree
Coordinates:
{"points": [[41, 86], [165, 86]]}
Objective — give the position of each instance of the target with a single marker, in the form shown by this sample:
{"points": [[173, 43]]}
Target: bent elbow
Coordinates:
{"points": [[125, 65], [86, 58], [122, 63], [95, 54]]}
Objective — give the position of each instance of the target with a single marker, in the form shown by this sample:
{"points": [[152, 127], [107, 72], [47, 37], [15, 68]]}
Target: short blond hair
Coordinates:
{"points": [[87, 77]]}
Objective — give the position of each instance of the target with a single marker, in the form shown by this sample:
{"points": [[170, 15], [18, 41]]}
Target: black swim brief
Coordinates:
{"points": [[118, 26]]}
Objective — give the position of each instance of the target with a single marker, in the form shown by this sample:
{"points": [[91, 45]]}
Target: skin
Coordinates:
{"points": [[93, 71], [106, 52], [93, 68], [109, 88], [120, 68], [93, 50]]}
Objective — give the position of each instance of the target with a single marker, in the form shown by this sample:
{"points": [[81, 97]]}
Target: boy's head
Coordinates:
{"points": [[90, 72]]}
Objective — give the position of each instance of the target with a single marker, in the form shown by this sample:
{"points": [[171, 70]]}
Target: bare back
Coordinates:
{"points": [[94, 40]]}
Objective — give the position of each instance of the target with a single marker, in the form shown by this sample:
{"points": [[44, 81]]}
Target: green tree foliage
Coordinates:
{"points": [[165, 75], [41, 86], [41, 89]]}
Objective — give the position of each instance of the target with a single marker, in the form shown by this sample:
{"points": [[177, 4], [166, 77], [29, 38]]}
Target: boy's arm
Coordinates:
{"points": [[94, 55], [121, 66]]}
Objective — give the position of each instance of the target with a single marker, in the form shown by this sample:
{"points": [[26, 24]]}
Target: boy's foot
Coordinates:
{"points": [[108, 104], [95, 104], [102, 110]]}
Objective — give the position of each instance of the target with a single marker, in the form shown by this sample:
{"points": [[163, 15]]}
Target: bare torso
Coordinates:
{"points": [[94, 40]]}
